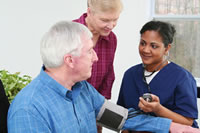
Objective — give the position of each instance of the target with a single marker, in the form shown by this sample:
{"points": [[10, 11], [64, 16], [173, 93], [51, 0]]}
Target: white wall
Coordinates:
{"points": [[23, 22]]}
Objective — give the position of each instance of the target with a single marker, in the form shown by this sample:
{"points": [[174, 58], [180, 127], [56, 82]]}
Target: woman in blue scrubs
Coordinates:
{"points": [[172, 88]]}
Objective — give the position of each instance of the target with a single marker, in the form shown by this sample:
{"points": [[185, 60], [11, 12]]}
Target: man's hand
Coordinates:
{"points": [[179, 128]]}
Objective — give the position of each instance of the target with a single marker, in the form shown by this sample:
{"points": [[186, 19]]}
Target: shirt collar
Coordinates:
{"points": [[58, 88], [76, 89]]}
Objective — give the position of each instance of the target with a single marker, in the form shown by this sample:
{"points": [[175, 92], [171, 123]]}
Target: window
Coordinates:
{"points": [[185, 16]]}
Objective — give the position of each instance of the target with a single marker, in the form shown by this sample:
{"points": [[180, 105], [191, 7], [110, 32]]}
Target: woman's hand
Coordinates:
{"points": [[152, 106]]}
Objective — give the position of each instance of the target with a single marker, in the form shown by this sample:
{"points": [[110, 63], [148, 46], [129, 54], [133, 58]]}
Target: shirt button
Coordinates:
{"points": [[69, 95]]}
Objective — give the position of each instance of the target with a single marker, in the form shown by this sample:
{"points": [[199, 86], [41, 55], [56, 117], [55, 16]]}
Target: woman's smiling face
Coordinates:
{"points": [[152, 49]]}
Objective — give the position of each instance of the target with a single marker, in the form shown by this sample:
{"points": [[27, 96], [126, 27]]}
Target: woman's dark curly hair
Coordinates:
{"points": [[166, 30]]}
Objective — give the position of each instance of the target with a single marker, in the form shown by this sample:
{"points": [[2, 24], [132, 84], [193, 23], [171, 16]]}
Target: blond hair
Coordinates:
{"points": [[105, 5]]}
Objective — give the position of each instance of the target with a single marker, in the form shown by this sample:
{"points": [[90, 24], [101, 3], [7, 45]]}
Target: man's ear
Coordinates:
{"points": [[68, 60]]}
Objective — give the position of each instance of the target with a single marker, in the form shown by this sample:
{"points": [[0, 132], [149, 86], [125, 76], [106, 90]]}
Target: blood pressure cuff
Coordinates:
{"points": [[112, 116]]}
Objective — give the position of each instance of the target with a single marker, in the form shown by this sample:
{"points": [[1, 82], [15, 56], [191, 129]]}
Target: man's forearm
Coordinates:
{"points": [[144, 122]]}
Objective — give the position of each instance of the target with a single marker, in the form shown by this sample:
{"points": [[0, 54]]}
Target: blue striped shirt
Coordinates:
{"points": [[45, 106]]}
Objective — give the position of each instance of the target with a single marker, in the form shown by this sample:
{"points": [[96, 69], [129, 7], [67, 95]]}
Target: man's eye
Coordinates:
{"points": [[90, 51]]}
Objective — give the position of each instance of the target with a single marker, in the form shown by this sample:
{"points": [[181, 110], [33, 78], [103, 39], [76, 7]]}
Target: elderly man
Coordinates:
{"points": [[59, 100]]}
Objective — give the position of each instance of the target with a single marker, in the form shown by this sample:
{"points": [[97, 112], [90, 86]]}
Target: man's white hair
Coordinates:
{"points": [[63, 38]]}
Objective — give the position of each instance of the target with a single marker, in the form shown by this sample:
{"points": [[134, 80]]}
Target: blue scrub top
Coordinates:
{"points": [[174, 85]]}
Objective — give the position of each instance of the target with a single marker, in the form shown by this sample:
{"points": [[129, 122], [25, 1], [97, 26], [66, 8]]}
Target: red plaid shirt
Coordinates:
{"points": [[102, 71]]}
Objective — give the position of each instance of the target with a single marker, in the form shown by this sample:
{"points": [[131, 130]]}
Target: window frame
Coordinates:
{"points": [[169, 16], [173, 17]]}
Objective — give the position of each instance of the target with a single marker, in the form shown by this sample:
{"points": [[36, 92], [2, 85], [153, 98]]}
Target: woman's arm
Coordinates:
{"points": [[162, 111]]}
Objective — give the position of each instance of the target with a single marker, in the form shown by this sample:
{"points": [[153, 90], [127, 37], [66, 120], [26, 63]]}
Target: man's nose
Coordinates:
{"points": [[95, 57]]}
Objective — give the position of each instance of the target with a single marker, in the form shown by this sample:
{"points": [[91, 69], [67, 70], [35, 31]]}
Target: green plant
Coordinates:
{"points": [[13, 83]]}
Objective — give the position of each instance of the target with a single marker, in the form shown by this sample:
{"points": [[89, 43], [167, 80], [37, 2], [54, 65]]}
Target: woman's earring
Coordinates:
{"points": [[167, 56]]}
